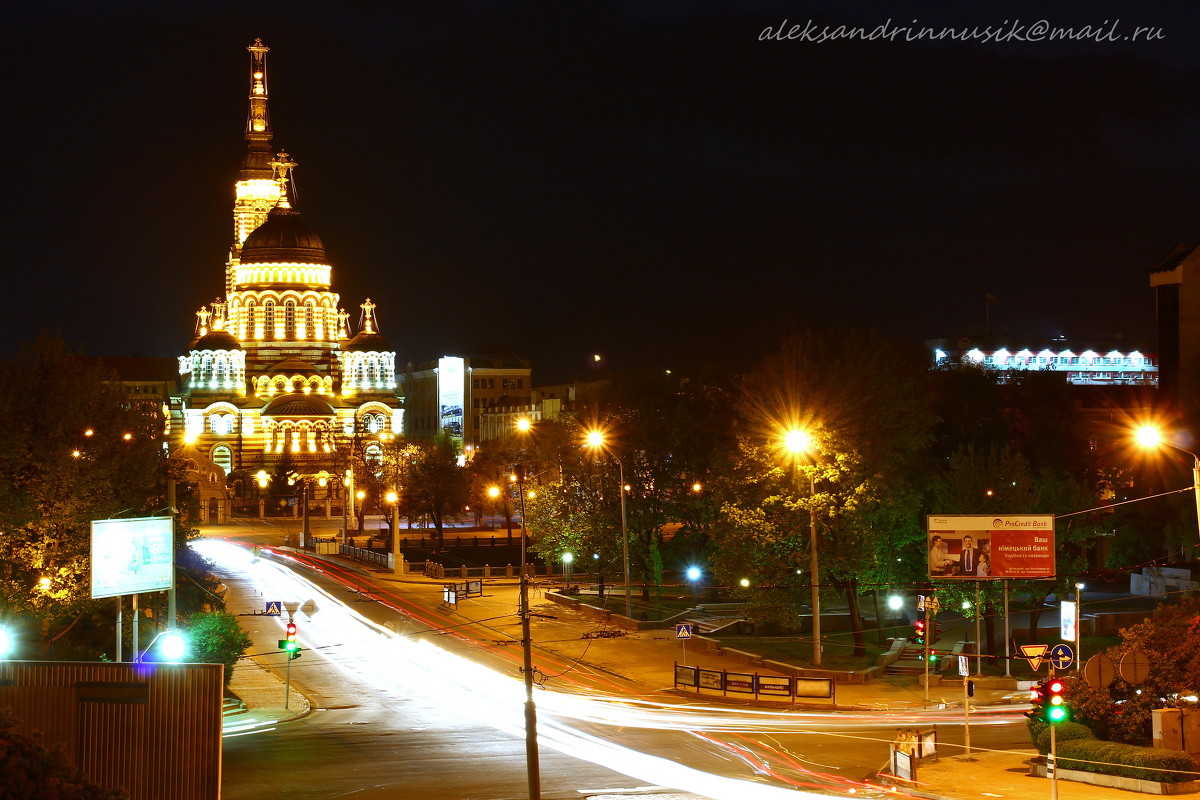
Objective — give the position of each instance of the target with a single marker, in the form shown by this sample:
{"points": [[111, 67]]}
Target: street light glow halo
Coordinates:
{"points": [[1148, 436]]}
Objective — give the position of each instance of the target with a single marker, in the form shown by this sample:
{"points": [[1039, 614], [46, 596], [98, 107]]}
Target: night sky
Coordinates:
{"points": [[639, 179]]}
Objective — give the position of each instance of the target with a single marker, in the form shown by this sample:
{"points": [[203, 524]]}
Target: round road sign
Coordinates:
{"points": [[1100, 671], [1135, 667]]}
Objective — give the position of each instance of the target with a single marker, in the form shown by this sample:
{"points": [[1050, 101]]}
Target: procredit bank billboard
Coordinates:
{"points": [[130, 556], [977, 546]]}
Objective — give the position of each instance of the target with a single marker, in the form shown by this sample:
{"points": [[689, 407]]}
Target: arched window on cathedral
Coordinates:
{"points": [[310, 331], [222, 456], [206, 370], [289, 320], [268, 319]]}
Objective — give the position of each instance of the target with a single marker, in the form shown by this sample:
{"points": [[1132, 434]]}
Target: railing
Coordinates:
{"points": [[366, 556], [460, 541]]}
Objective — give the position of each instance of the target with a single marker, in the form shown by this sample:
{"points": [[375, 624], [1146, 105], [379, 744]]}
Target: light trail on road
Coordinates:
{"points": [[573, 723]]}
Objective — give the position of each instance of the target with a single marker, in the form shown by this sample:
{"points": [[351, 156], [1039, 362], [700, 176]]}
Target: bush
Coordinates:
{"points": [[1035, 726], [1127, 760], [1067, 732], [216, 638]]}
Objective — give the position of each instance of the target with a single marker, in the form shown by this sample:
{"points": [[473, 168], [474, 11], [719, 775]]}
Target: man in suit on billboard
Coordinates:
{"points": [[968, 559]]}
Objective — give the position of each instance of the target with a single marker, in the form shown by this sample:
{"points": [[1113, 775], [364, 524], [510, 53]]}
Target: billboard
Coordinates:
{"points": [[978, 546], [451, 382], [130, 556]]}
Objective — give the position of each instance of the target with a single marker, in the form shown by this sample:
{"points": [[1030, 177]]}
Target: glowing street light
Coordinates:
{"points": [[6, 642], [895, 602], [568, 559], [1149, 436], [693, 575], [797, 442], [595, 440]]}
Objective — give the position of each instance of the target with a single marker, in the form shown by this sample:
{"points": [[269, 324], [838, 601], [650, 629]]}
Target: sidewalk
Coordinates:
{"points": [[644, 662]]}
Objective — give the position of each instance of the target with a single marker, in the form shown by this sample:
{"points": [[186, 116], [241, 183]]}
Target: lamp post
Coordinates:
{"points": [[693, 576], [568, 558], [1149, 436], [798, 442], [595, 440], [532, 769]]}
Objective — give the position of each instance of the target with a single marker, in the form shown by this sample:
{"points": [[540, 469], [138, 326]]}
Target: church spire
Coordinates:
{"points": [[256, 164]]}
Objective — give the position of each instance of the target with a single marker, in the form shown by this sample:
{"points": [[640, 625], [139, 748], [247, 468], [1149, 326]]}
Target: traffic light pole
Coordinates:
{"points": [[1051, 767], [287, 685], [928, 641]]}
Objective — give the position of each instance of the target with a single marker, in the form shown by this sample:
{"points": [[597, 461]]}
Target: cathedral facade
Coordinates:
{"points": [[276, 373]]}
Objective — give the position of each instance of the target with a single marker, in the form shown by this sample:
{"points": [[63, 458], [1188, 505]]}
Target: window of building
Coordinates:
{"points": [[269, 318], [222, 456], [289, 319], [520, 383]]}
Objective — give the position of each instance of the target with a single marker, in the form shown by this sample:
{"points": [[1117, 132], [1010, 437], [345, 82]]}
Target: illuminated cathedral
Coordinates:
{"points": [[275, 370]]}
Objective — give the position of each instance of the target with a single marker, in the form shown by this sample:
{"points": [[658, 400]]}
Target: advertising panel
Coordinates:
{"points": [[451, 381], [130, 556], [979, 547]]}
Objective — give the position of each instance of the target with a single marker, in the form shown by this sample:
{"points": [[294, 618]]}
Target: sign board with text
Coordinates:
{"points": [[983, 547]]}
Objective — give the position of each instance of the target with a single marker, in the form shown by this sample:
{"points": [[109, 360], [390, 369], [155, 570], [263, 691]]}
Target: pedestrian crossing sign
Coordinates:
{"points": [[273, 609], [683, 630]]}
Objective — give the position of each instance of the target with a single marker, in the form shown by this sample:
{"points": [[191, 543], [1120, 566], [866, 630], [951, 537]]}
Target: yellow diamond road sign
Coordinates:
{"points": [[1034, 654]]}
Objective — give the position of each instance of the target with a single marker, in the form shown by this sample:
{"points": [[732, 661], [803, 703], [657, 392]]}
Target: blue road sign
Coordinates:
{"points": [[683, 630], [274, 608], [1062, 656]]}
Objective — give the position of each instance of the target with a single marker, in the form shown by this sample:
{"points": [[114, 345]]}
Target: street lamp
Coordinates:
{"points": [[567, 561], [532, 767], [797, 442], [595, 441], [693, 575], [1149, 436]]}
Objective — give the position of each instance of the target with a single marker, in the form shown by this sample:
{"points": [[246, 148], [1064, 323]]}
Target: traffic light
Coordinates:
{"points": [[289, 644], [919, 633], [1037, 701], [1056, 706]]}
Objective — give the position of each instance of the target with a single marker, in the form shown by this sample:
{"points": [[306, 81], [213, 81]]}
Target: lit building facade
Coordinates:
{"points": [[1084, 363], [274, 366], [453, 394]]}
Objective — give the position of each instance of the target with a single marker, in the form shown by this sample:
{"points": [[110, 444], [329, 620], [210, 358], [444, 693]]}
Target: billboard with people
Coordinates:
{"points": [[979, 546]]}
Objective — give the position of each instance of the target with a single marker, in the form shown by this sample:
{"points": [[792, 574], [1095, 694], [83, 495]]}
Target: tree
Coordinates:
{"points": [[432, 482], [1170, 638], [71, 451], [217, 638], [862, 401]]}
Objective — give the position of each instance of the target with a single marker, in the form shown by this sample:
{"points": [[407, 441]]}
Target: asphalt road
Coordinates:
{"points": [[376, 731]]}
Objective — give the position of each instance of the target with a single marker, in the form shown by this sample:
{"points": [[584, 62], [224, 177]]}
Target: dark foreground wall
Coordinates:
{"points": [[153, 729]]}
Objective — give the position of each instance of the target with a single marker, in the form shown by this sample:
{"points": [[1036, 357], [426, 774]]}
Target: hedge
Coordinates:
{"points": [[1066, 732], [1170, 766]]}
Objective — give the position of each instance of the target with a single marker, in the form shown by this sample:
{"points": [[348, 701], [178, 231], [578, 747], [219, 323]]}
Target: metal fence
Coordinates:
{"points": [[366, 556]]}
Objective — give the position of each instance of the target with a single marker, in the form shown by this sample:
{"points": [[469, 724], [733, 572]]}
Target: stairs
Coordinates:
{"points": [[231, 706], [909, 663]]}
